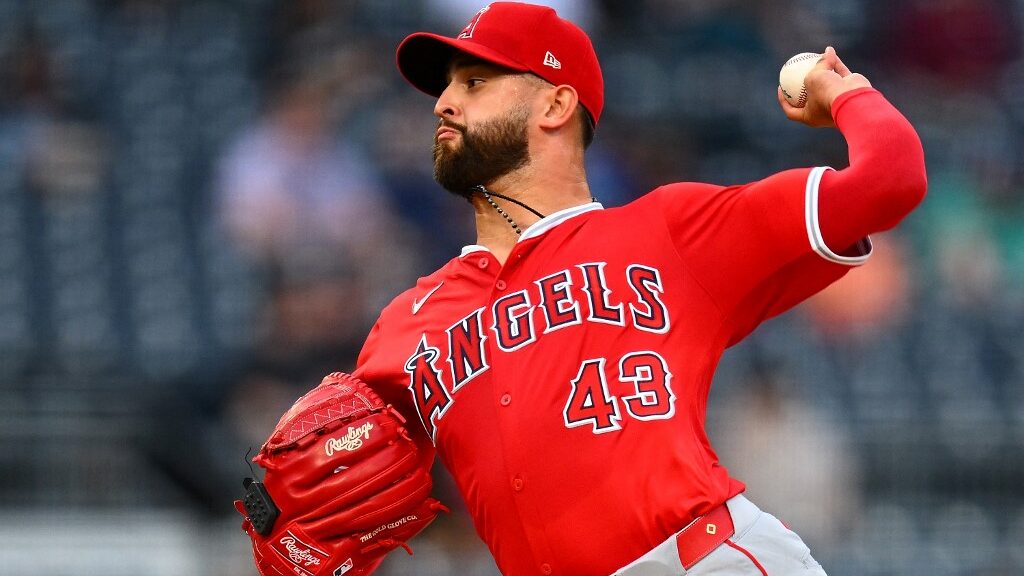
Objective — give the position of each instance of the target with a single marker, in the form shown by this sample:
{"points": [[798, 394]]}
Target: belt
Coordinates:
{"points": [[703, 535]]}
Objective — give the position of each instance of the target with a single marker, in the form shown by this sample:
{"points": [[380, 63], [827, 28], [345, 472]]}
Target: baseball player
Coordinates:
{"points": [[560, 366]]}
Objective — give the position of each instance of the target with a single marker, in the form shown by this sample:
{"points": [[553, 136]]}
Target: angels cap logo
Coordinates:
{"points": [[467, 32], [550, 60]]}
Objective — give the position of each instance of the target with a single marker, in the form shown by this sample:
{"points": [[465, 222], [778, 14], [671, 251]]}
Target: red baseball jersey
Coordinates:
{"points": [[566, 389]]}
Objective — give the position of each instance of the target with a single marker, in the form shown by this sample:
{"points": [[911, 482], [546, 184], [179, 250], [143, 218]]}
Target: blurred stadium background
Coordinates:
{"points": [[204, 204]]}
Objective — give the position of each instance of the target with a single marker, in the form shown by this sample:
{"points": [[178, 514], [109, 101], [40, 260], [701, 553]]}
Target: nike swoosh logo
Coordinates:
{"points": [[417, 304]]}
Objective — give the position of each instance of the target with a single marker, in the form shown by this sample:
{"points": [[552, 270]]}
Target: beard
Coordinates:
{"points": [[487, 152]]}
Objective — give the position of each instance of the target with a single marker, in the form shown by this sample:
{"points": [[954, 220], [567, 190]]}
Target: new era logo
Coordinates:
{"points": [[550, 60]]}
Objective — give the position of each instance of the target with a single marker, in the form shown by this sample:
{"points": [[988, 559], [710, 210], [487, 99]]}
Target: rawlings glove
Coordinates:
{"points": [[344, 485]]}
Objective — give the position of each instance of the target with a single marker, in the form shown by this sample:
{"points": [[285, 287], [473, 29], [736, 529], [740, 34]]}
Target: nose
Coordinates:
{"points": [[446, 106]]}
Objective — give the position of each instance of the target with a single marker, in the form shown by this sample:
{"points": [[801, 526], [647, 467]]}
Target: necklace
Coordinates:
{"points": [[487, 196]]}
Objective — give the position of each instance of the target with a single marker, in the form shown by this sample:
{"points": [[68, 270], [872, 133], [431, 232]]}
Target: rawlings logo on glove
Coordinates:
{"points": [[349, 442], [301, 553], [344, 485]]}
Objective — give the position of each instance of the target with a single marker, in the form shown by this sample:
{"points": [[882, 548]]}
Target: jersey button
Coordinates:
{"points": [[483, 263], [500, 285], [545, 568], [506, 399], [517, 484]]}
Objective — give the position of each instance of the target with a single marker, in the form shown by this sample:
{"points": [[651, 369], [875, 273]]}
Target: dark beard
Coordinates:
{"points": [[486, 153]]}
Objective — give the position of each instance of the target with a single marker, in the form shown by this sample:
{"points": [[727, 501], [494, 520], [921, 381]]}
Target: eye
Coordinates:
{"points": [[473, 82]]}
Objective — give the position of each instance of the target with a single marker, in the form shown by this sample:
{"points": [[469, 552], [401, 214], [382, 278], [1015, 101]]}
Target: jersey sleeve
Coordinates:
{"points": [[372, 366], [375, 367], [760, 248], [366, 352], [755, 248]]}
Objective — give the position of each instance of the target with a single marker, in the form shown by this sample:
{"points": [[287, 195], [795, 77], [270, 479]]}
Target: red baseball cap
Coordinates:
{"points": [[521, 37]]}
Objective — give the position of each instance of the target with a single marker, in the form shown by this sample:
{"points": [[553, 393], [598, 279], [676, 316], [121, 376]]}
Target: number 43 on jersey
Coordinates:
{"points": [[594, 401]]}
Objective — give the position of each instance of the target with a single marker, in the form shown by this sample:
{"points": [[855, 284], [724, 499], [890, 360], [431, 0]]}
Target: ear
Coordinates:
{"points": [[560, 103]]}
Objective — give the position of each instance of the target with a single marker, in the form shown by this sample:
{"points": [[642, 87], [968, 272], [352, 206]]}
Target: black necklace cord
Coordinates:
{"points": [[483, 190]]}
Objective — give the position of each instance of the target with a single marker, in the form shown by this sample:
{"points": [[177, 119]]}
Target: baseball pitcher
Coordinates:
{"points": [[560, 366]]}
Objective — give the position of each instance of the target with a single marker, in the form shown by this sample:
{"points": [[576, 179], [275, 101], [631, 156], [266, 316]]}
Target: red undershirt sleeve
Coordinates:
{"points": [[885, 179]]}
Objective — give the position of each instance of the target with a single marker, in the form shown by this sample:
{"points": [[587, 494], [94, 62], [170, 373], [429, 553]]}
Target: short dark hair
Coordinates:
{"points": [[586, 126]]}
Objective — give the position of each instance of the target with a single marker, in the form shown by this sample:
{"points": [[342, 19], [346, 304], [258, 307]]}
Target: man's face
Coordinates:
{"points": [[483, 131]]}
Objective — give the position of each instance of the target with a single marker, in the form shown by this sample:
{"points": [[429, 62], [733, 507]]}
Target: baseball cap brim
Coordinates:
{"points": [[423, 59]]}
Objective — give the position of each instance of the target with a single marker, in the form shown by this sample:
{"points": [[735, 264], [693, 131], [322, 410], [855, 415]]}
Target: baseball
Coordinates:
{"points": [[791, 77]]}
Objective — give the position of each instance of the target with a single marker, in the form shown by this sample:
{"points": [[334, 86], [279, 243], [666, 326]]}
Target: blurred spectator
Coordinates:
{"points": [[869, 300], [303, 202], [797, 461], [64, 163], [975, 184], [291, 191], [301, 199], [404, 130], [964, 43]]}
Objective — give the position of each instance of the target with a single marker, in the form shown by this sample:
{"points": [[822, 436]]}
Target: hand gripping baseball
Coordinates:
{"points": [[824, 83], [344, 485]]}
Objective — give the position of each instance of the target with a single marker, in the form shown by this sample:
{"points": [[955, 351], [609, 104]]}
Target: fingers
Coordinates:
{"points": [[788, 109], [830, 61], [840, 67], [856, 80]]}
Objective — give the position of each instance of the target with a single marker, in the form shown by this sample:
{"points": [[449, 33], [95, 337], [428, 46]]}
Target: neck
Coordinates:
{"points": [[499, 220]]}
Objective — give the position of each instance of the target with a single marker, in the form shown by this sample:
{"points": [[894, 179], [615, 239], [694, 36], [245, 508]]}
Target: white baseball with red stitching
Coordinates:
{"points": [[792, 74]]}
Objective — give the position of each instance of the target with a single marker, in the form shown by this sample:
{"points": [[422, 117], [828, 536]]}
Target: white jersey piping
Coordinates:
{"points": [[543, 225], [814, 225], [467, 250], [554, 219]]}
